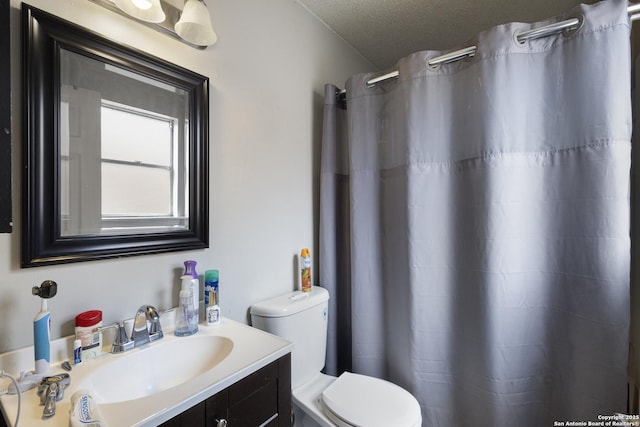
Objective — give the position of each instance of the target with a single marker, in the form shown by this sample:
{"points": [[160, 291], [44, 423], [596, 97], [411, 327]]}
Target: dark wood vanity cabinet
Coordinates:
{"points": [[262, 398]]}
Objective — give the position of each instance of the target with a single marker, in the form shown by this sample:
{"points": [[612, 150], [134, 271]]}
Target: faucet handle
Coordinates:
{"points": [[140, 333], [121, 341], [155, 329], [121, 334]]}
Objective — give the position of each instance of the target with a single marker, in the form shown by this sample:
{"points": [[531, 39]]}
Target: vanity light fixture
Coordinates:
{"points": [[194, 25], [145, 10], [185, 20]]}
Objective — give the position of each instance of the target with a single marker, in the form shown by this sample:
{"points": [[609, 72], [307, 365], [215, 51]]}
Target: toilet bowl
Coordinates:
{"points": [[319, 399], [355, 400]]}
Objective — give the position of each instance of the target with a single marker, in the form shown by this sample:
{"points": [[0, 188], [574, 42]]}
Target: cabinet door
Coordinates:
{"points": [[263, 398], [192, 417], [216, 409], [254, 399], [284, 391], [260, 399]]}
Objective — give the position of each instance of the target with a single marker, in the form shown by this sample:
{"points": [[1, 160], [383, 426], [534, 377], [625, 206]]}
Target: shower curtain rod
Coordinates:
{"points": [[570, 24]]}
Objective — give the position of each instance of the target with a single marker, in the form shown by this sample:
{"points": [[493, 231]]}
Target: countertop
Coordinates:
{"points": [[252, 349]]}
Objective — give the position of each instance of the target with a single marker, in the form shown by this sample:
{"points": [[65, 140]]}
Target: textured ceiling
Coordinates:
{"points": [[384, 31]]}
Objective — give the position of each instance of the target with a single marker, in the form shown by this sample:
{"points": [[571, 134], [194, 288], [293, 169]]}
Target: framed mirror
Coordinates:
{"points": [[115, 148], [6, 223]]}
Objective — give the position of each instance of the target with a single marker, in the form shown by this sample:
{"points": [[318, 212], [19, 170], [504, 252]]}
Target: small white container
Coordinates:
{"points": [[213, 315], [88, 332]]}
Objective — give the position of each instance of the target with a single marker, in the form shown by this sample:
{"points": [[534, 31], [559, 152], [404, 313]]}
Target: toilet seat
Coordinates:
{"points": [[359, 400]]}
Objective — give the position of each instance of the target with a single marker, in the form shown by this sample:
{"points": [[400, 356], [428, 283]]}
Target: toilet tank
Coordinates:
{"points": [[299, 317]]}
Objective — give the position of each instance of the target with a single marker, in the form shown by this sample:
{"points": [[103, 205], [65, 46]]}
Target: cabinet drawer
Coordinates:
{"points": [[254, 382], [254, 399], [255, 408]]}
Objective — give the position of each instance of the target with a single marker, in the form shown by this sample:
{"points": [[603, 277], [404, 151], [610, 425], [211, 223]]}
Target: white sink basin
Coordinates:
{"points": [[145, 387], [160, 366]]}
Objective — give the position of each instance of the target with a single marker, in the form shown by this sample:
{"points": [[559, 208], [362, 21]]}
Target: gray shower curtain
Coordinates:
{"points": [[474, 226]]}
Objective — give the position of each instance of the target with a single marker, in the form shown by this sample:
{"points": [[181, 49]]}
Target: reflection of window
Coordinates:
{"points": [[140, 174], [121, 167]]}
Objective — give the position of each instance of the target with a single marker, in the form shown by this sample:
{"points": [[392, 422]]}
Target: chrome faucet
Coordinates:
{"points": [[141, 333]]}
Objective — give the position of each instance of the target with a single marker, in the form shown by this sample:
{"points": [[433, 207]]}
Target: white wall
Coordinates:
{"points": [[266, 72]]}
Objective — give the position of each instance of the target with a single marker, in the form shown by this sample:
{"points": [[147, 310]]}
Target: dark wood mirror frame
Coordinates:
{"points": [[43, 35], [5, 119]]}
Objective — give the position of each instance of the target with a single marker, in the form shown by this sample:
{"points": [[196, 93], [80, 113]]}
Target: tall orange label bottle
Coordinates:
{"points": [[305, 271]]}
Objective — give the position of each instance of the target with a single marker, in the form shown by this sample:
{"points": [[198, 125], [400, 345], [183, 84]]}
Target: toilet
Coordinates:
{"points": [[346, 401]]}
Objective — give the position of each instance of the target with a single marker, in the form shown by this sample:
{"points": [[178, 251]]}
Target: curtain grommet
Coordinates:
{"points": [[432, 67], [566, 28], [572, 31]]}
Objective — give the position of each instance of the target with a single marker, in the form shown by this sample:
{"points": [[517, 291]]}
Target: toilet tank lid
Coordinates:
{"points": [[290, 303]]}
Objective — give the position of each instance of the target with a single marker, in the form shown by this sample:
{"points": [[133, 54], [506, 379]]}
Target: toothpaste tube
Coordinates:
{"points": [[84, 411], [77, 351]]}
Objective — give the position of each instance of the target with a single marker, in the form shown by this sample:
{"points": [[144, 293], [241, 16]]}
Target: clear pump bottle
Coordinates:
{"points": [[186, 316], [190, 270]]}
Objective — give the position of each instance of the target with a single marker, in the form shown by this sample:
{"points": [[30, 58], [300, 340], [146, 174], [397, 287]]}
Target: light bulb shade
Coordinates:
{"points": [[194, 24], [153, 13]]}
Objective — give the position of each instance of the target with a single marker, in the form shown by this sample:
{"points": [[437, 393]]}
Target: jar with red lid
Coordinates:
{"points": [[88, 332]]}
